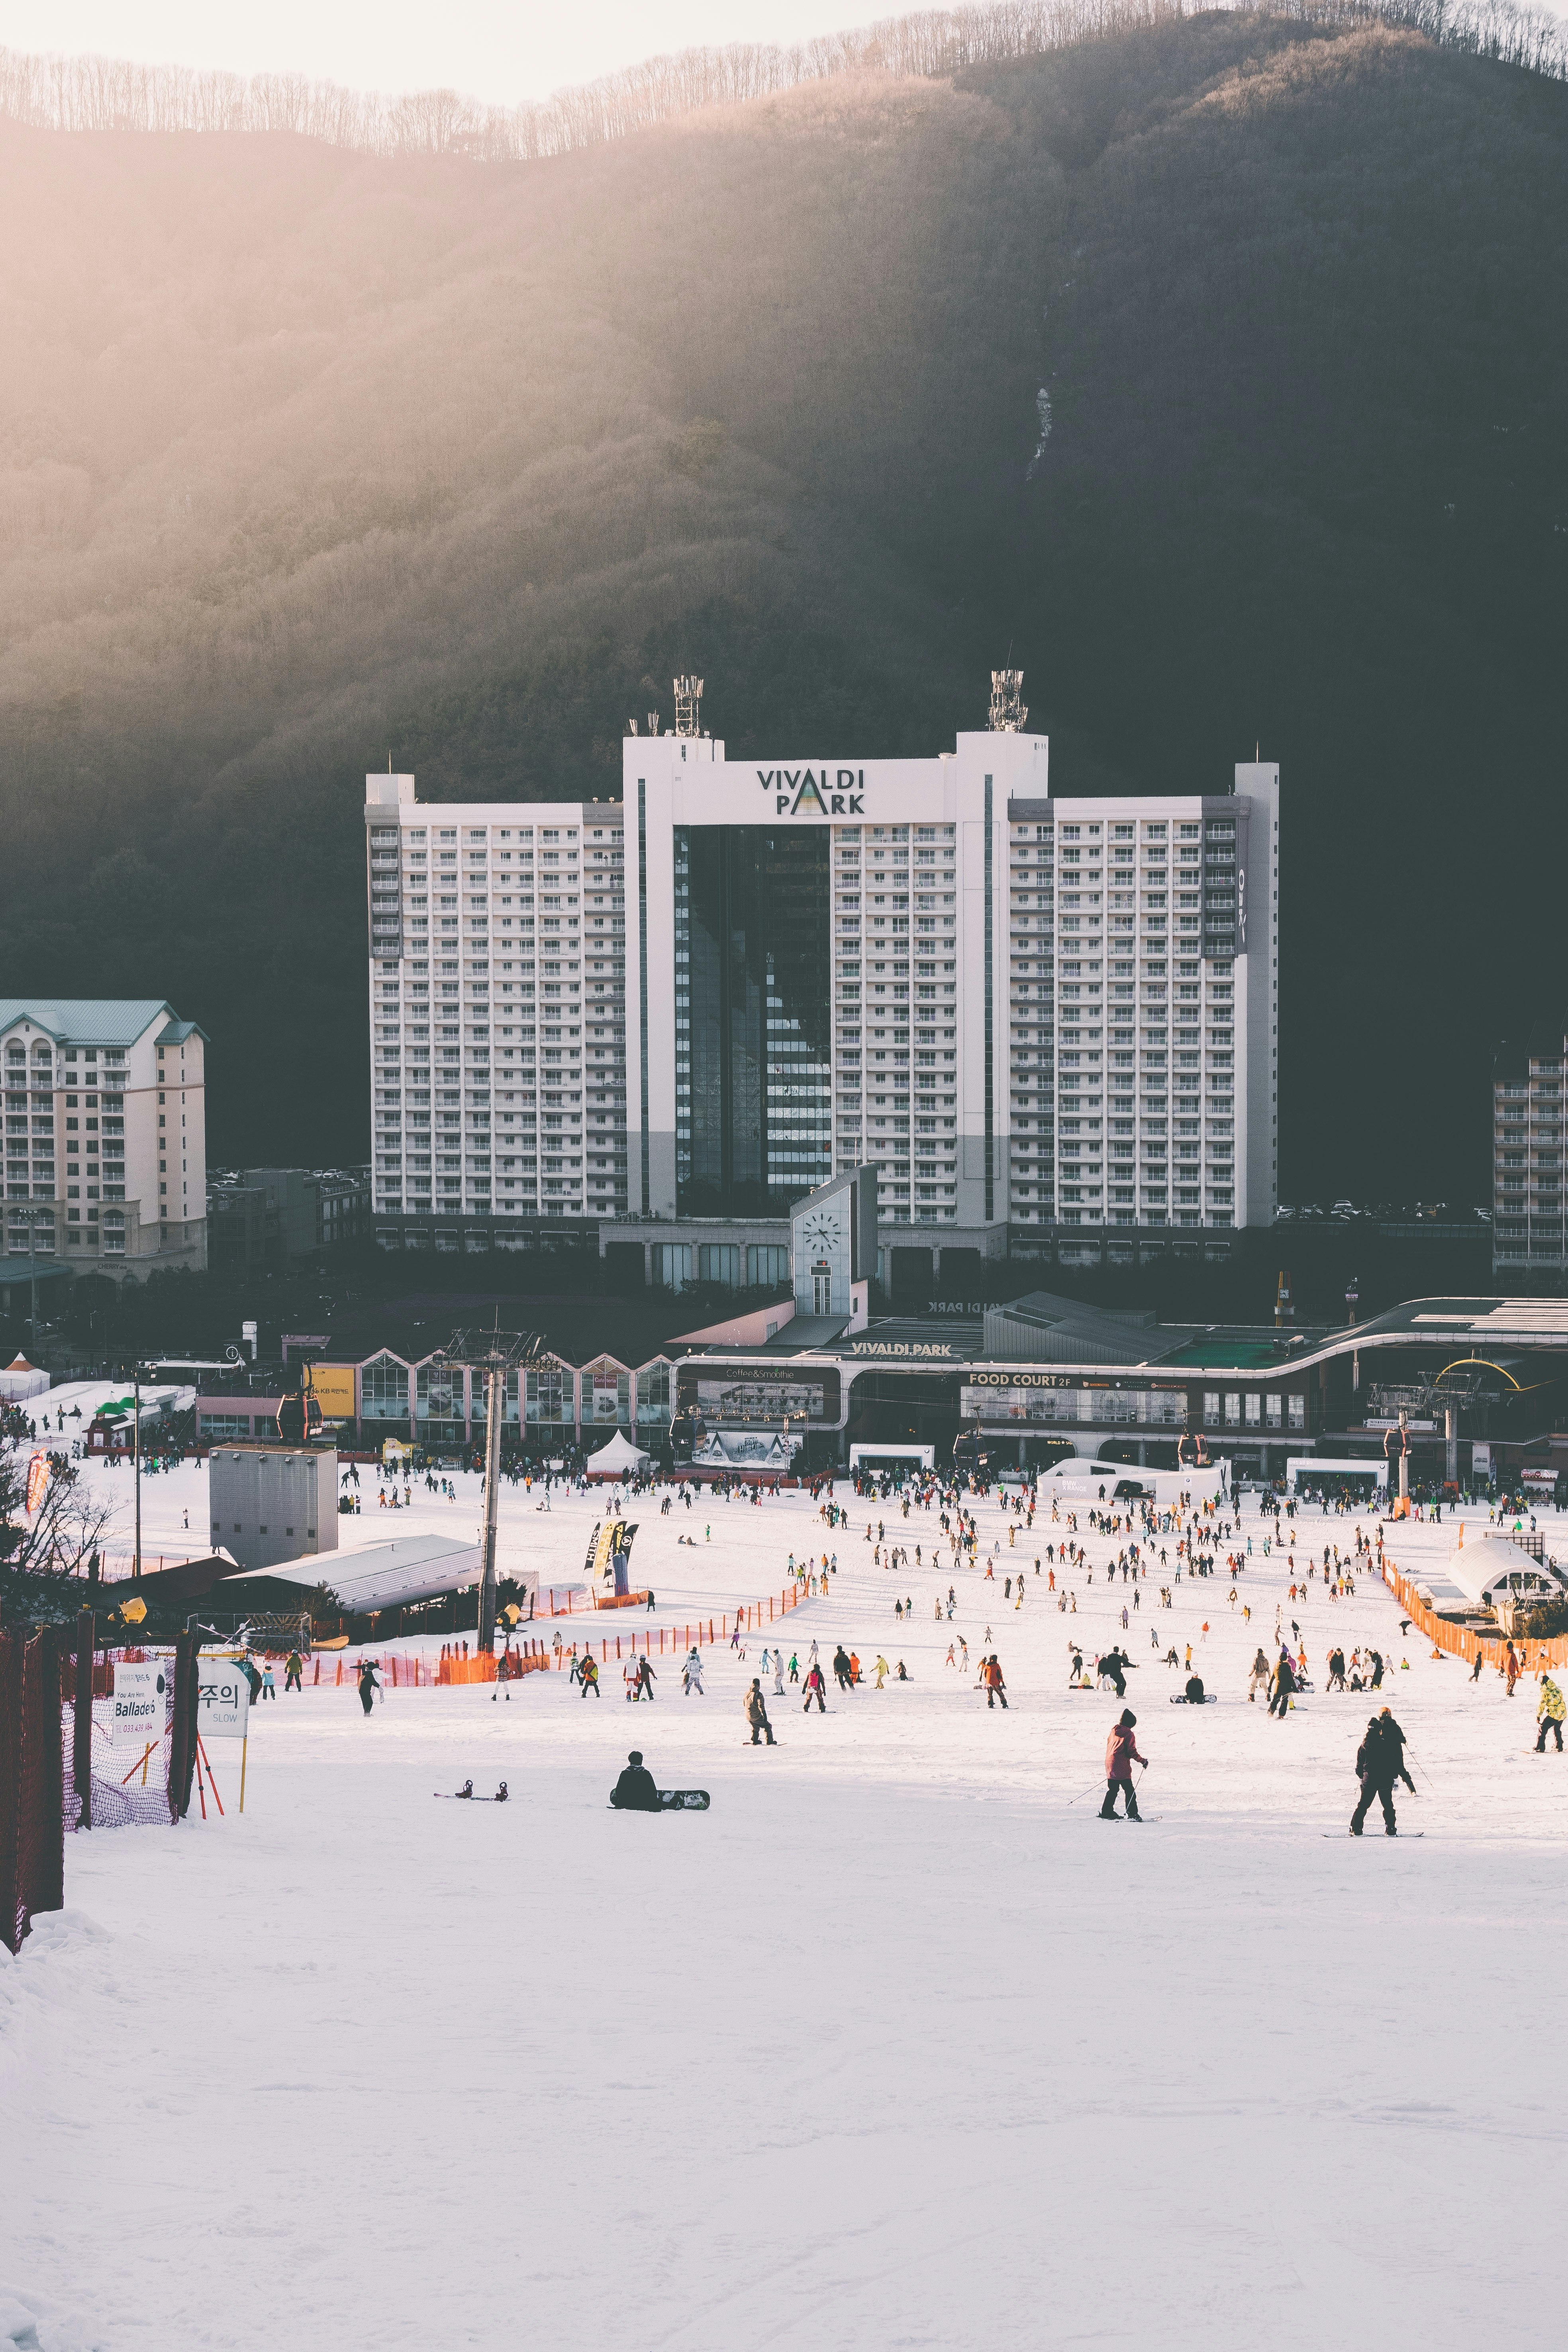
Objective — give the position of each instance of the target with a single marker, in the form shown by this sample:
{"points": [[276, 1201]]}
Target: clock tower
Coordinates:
{"points": [[833, 1246]]}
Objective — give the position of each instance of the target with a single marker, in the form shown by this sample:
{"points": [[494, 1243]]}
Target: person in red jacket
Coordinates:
{"points": [[1120, 1755]]}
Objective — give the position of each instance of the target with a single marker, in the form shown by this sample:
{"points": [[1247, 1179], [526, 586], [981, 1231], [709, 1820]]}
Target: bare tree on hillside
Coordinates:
{"points": [[94, 93]]}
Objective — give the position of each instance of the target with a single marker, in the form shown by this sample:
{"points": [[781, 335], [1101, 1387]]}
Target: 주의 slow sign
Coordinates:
{"points": [[223, 1701]]}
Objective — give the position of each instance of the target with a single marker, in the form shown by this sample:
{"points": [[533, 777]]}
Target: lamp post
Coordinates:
{"points": [[33, 1217]]}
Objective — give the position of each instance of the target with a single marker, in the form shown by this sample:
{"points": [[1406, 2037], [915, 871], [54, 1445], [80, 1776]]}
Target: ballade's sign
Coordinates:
{"points": [[821, 792]]}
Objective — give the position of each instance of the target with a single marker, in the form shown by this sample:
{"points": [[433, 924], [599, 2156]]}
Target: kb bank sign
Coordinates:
{"points": [[816, 792]]}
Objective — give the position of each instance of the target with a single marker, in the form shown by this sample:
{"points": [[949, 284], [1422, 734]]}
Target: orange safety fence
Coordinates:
{"points": [[662, 1641], [504, 1666], [1459, 1641]]}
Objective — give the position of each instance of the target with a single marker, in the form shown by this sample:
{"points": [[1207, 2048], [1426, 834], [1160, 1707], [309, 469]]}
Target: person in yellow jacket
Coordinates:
{"points": [[1552, 1709]]}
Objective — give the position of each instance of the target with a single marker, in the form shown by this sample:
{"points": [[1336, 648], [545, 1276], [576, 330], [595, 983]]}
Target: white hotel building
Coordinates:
{"points": [[677, 1014]]}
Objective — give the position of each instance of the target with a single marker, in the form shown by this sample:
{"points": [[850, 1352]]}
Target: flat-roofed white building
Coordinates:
{"points": [[497, 1013]]}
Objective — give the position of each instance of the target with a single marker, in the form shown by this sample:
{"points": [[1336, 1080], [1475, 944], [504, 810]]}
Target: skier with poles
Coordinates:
{"points": [[1379, 1763], [1120, 1755]]}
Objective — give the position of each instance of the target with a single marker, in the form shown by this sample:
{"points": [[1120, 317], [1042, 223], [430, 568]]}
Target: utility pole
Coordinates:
{"points": [[496, 1354], [495, 1376], [136, 1459]]}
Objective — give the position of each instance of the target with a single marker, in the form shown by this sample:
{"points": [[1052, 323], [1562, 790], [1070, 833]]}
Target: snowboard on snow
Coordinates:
{"points": [[684, 1801], [1369, 1835], [466, 1797], [1209, 1698]]}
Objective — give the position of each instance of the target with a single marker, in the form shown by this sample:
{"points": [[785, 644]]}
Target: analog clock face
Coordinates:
{"points": [[821, 1231]]}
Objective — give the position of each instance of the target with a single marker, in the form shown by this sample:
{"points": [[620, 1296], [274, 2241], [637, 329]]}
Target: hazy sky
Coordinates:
{"points": [[491, 51]]}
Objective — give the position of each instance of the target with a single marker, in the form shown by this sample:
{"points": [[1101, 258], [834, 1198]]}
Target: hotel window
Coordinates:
{"points": [[1298, 1412], [1233, 1408], [1254, 1408], [1274, 1408]]}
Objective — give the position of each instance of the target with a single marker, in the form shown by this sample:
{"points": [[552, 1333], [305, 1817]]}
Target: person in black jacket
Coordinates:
{"points": [[1379, 1763], [635, 1791], [1284, 1684]]}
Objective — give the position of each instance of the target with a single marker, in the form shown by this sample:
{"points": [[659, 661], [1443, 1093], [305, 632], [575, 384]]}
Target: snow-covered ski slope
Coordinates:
{"points": [[893, 2047]]}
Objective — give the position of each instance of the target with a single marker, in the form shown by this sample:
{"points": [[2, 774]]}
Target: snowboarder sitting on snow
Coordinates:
{"points": [[1379, 1763], [635, 1791], [1120, 1755], [1195, 1690], [756, 1708]]}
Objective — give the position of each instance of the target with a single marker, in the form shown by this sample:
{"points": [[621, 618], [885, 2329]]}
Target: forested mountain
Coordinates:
{"points": [[1214, 368]]}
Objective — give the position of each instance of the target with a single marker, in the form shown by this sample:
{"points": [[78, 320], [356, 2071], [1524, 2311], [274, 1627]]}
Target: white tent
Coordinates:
{"points": [[20, 1378], [1484, 1568], [620, 1459]]}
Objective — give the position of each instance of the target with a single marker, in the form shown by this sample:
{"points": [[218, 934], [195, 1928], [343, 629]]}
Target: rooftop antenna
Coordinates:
{"points": [[631, 727], [1008, 708], [687, 705], [653, 723]]}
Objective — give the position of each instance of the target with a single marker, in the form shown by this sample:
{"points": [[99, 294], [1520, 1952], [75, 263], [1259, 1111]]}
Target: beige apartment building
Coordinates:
{"points": [[105, 1134]]}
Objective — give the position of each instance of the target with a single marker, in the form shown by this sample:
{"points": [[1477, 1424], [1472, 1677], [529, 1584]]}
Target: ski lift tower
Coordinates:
{"points": [[1008, 708], [687, 705], [495, 1354]]}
